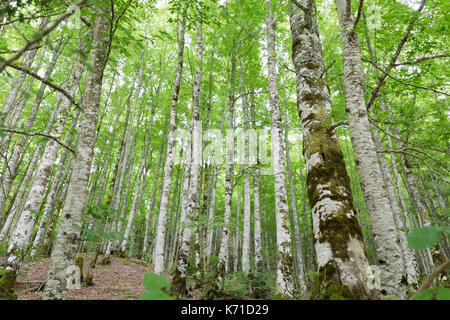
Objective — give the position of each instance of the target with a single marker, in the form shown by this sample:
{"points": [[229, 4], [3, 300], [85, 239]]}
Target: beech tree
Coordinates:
{"points": [[278, 149]]}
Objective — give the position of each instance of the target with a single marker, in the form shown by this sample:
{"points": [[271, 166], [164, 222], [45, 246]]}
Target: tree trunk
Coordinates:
{"points": [[284, 282], [164, 204], [224, 250], [191, 210], [66, 242], [343, 266], [381, 216]]}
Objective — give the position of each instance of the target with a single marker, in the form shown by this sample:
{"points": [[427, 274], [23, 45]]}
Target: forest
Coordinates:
{"points": [[224, 150]]}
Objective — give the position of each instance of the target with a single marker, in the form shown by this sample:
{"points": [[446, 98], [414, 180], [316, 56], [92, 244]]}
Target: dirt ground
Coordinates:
{"points": [[120, 280]]}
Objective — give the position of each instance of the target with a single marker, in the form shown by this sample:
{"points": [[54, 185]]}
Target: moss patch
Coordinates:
{"points": [[178, 285], [327, 286], [7, 284], [79, 262], [329, 179], [106, 260]]}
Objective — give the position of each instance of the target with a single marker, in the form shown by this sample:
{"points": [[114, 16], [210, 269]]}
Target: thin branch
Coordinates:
{"points": [[395, 56], [416, 157], [32, 134], [358, 15], [243, 172], [48, 83], [6, 163], [401, 81], [34, 16], [15, 51], [404, 151], [422, 60], [427, 155], [291, 70], [327, 68], [338, 124], [38, 38], [429, 280], [299, 5], [405, 141]]}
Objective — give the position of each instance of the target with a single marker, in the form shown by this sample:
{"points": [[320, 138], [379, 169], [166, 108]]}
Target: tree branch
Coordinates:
{"points": [[428, 281], [416, 157], [358, 15], [327, 68], [291, 70], [422, 60], [338, 124], [402, 82], [48, 83], [34, 16], [395, 56], [15, 51], [299, 5], [402, 140], [38, 38], [32, 134]]}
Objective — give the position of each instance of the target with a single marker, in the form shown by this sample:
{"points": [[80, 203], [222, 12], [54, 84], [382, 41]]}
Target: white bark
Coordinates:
{"points": [[126, 162], [284, 282], [137, 190], [224, 251], [246, 231], [409, 260], [298, 241], [381, 216], [337, 234], [236, 231], [66, 242], [164, 204], [51, 197], [30, 211], [191, 210]]}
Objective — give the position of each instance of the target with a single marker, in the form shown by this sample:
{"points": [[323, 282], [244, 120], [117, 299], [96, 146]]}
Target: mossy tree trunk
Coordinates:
{"points": [[192, 207], [342, 260]]}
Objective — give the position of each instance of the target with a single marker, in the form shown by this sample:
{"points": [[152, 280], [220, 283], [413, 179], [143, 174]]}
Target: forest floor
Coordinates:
{"points": [[120, 280]]}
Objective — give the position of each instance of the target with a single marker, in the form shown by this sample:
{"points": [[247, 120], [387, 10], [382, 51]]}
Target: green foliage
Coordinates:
{"points": [[236, 287], [426, 237], [436, 293], [257, 285], [156, 286], [261, 284], [3, 247]]}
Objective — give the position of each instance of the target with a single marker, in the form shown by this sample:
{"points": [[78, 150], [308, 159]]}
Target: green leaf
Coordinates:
{"points": [[423, 238], [443, 293], [155, 284], [155, 295], [153, 281]]}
